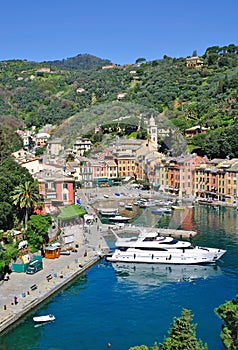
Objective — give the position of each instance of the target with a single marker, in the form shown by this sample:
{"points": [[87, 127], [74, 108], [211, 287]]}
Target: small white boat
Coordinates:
{"points": [[129, 206], [175, 207], [108, 211], [44, 318], [119, 218], [161, 211]]}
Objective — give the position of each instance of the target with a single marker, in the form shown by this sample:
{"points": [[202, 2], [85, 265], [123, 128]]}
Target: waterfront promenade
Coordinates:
{"points": [[31, 290]]}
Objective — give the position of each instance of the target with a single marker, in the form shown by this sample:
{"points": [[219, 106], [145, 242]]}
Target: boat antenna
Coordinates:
{"points": [[117, 237]]}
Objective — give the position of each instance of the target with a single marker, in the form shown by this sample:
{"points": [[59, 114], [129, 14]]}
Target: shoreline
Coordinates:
{"points": [[16, 317], [33, 290]]}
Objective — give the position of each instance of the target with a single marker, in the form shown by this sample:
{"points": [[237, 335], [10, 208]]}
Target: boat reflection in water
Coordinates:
{"points": [[156, 274]]}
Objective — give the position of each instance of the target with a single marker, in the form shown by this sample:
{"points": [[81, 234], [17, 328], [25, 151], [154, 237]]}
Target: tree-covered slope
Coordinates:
{"points": [[79, 62], [187, 96]]}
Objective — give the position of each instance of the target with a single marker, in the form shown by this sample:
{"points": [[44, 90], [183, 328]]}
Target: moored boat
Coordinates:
{"points": [[161, 211], [176, 207], [44, 318], [119, 218], [129, 206], [108, 211], [151, 247]]}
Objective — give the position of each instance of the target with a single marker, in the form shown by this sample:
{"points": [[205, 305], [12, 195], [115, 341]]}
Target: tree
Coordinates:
{"points": [[182, 335], [6, 215], [37, 228], [27, 197], [228, 312], [140, 60]]}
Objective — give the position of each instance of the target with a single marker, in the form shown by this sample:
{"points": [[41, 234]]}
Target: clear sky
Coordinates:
{"points": [[121, 31]]}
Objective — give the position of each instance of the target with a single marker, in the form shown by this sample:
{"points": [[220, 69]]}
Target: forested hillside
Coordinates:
{"points": [[52, 92], [79, 62]]}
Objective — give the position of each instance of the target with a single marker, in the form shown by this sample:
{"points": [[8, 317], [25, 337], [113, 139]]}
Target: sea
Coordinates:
{"points": [[119, 306]]}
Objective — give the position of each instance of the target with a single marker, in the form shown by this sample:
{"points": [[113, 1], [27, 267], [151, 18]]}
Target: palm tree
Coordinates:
{"points": [[27, 197]]}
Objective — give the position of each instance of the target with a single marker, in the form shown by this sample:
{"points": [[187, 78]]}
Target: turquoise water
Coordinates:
{"points": [[135, 305]]}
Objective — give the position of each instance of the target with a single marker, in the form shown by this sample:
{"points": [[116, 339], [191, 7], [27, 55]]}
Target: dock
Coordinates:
{"points": [[163, 231]]}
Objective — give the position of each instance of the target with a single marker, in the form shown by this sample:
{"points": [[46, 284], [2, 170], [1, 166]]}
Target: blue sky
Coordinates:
{"points": [[120, 31]]}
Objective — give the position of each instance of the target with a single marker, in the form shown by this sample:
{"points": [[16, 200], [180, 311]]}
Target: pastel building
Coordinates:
{"points": [[81, 146], [82, 171], [57, 188], [41, 139]]}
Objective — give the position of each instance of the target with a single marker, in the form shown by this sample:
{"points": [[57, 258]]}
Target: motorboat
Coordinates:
{"points": [[44, 318], [151, 247], [161, 211], [119, 218], [129, 206], [108, 211], [176, 207], [143, 205]]}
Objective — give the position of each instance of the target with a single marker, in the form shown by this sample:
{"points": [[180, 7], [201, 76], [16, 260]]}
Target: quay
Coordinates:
{"points": [[32, 290], [163, 231]]}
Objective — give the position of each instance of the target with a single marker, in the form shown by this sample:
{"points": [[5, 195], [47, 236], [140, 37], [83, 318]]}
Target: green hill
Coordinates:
{"points": [[59, 91], [79, 62]]}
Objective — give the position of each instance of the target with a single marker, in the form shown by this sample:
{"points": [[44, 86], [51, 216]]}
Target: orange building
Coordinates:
{"points": [[52, 252]]}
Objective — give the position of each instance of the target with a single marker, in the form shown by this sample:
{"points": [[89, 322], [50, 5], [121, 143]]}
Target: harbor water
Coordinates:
{"points": [[120, 306]]}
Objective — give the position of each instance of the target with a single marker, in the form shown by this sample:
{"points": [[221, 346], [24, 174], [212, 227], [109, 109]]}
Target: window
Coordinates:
{"points": [[65, 186], [51, 195]]}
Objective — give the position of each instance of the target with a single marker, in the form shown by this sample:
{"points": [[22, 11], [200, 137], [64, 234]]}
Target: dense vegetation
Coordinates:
{"points": [[181, 336], [183, 96], [228, 312], [79, 62]]}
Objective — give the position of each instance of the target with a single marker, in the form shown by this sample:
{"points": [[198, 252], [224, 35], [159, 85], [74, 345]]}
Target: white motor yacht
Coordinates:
{"points": [[151, 247]]}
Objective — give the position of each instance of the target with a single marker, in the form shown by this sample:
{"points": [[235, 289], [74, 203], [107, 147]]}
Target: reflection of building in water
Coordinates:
{"points": [[185, 217], [157, 274], [215, 217]]}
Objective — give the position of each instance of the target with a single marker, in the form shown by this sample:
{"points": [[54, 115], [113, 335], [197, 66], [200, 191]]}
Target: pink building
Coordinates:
{"points": [[57, 188], [99, 169], [187, 165]]}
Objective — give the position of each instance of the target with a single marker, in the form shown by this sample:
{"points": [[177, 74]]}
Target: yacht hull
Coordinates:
{"points": [[198, 255]]}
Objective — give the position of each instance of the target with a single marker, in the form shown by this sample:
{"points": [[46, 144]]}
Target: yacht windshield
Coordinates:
{"points": [[174, 241]]}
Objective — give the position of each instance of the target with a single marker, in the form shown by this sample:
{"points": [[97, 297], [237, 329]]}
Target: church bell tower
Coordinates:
{"points": [[152, 130]]}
